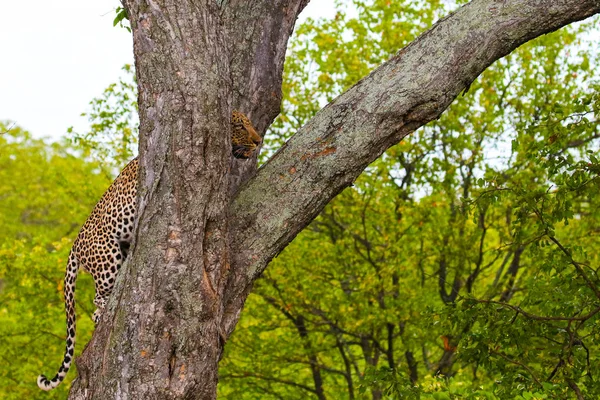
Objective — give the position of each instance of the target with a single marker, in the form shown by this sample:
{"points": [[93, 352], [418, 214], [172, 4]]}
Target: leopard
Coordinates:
{"points": [[103, 242]]}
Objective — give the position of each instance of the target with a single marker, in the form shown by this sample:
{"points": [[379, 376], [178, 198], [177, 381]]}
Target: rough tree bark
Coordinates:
{"points": [[206, 231]]}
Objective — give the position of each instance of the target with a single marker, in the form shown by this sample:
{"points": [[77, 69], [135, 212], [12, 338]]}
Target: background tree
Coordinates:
{"points": [[430, 225], [46, 192]]}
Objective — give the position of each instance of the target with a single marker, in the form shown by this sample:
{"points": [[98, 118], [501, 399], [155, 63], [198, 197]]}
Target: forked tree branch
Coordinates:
{"points": [[411, 89]]}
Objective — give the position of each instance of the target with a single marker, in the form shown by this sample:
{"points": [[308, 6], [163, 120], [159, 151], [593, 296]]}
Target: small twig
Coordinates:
{"points": [[538, 317], [575, 388], [577, 266], [555, 370], [247, 375], [8, 129], [510, 360]]}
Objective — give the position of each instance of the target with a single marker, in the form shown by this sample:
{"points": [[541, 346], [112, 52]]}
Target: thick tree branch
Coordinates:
{"points": [[259, 33], [411, 89]]}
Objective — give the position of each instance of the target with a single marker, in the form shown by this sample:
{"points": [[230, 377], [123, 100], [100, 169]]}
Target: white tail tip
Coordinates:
{"points": [[45, 384]]}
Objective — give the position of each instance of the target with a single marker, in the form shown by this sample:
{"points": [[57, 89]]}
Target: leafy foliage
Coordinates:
{"points": [[463, 263], [121, 17], [112, 137], [46, 192]]}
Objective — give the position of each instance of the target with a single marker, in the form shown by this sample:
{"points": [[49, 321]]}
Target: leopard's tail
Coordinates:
{"points": [[69, 291]]}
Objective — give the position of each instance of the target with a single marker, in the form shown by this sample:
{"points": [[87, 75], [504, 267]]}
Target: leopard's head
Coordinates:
{"points": [[244, 139]]}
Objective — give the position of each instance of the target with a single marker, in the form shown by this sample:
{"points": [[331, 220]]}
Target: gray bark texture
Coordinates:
{"points": [[208, 225]]}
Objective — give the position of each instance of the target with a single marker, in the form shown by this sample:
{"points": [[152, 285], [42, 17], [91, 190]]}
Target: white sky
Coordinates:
{"points": [[56, 56]]}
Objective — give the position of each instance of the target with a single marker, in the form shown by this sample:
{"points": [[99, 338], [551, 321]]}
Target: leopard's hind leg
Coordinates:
{"points": [[105, 273]]}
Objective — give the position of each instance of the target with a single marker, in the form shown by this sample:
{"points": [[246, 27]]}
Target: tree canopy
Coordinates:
{"points": [[460, 262]]}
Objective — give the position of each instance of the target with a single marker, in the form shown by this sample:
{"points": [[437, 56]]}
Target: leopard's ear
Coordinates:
{"points": [[236, 119]]}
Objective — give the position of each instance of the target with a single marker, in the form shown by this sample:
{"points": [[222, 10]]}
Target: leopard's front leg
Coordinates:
{"points": [[100, 302]]}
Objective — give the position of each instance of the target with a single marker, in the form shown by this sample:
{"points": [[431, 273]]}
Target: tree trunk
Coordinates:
{"points": [[200, 245]]}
